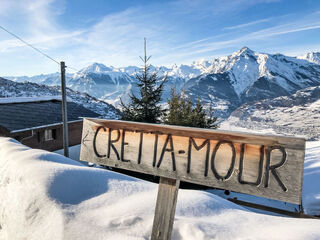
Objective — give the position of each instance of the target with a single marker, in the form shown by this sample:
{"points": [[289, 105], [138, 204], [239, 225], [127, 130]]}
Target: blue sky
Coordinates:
{"points": [[81, 32]]}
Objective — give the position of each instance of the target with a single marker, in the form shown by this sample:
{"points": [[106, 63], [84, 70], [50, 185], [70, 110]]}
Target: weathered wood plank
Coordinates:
{"points": [[205, 133], [267, 166], [165, 209]]}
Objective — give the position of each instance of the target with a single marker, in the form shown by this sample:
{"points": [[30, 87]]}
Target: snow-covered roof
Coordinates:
{"points": [[17, 116], [29, 99]]}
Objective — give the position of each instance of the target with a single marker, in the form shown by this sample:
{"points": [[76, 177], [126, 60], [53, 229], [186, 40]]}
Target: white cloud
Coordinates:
{"points": [[117, 39], [43, 40], [31, 18], [207, 45], [248, 24]]}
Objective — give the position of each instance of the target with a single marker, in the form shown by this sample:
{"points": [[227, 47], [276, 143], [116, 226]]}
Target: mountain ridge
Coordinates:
{"points": [[226, 82], [10, 88], [296, 115]]}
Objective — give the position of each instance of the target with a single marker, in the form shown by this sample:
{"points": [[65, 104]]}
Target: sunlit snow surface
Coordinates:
{"points": [[47, 196]]}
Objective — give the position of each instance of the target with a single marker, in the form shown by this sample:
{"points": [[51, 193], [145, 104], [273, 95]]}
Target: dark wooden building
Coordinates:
{"points": [[37, 122]]}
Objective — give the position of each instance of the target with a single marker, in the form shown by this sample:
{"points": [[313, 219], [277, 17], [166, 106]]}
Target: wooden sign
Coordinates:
{"points": [[260, 165], [266, 166]]}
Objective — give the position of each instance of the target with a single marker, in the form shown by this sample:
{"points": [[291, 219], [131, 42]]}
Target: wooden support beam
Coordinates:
{"points": [[165, 209]]}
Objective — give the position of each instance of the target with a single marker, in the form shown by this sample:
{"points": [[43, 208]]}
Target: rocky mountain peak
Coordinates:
{"points": [[96, 68], [245, 51]]}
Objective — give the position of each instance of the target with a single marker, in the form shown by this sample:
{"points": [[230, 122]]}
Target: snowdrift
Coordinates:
{"points": [[44, 195]]}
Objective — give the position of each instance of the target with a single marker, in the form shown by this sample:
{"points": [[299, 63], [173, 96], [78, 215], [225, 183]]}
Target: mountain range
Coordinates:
{"points": [[296, 114], [230, 84], [226, 82]]}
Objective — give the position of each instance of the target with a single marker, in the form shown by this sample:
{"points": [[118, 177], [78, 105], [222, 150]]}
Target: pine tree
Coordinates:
{"points": [[198, 116], [146, 107], [211, 119], [181, 112]]}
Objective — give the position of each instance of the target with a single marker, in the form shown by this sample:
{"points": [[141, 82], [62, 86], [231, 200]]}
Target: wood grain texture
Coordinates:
{"points": [[267, 166], [165, 209]]}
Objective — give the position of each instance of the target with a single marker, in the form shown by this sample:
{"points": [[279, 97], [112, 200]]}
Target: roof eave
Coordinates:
{"points": [[43, 126]]}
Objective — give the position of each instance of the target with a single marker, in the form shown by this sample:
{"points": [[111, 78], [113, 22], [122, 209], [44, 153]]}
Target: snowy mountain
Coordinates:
{"points": [[313, 57], [9, 88], [97, 80], [247, 76], [176, 71], [110, 83], [297, 114], [52, 79], [106, 83], [225, 82], [97, 68]]}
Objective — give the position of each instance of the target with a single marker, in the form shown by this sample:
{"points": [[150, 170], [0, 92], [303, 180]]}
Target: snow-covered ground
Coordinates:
{"points": [[74, 152], [44, 195]]}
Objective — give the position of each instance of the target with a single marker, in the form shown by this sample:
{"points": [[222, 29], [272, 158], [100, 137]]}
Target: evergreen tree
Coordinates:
{"points": [[182, 112], [211, 119], [146, 107]]}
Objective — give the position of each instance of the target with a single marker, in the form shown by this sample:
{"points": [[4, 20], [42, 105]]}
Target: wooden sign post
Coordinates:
{"points": [[165, 208], [260, 165]]}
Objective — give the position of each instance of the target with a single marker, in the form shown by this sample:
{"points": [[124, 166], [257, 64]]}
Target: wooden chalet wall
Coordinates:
{"points": [[36, 138]]}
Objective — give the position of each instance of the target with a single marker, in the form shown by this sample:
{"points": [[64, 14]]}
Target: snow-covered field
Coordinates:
{"points": [[44, 195]]}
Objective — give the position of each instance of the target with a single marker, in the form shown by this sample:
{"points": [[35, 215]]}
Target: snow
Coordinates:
{"points": [[47, 196], [43, 126], [243, 67], [313, 57], [74, 152], [29, 91], [311, 190], [96, 68], [187, 71], [115, 75], [228, 126], [29, 99], [297, 114]]}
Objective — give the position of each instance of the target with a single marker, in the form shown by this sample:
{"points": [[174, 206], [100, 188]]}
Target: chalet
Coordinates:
{"points": [[37, 121]]}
